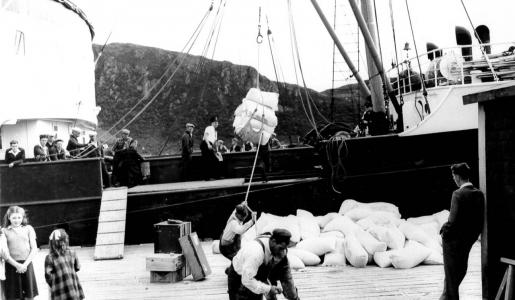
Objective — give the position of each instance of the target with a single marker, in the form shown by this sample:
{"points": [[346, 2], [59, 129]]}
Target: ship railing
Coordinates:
{"points": [[454, 66]]}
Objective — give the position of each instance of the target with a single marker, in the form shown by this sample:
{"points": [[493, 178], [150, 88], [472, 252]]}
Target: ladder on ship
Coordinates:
{"points": [[347, 30], [111, 224]]}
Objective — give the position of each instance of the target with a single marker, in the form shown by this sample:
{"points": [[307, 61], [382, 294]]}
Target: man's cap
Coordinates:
{"points": [[281, 235], [213, 119], [50, 136], [76, 129], [58, 140], [43, 136], [93, 133], [190, 125], [125, 130]]}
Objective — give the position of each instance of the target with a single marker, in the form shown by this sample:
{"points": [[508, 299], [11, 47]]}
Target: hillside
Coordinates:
{"points": [[200, 88]]}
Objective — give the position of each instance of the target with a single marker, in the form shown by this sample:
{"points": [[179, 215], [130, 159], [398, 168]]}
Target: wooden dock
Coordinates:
{"points": [[127, 279]]}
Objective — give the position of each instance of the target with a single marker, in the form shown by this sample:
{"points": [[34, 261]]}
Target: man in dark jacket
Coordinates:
{"points": [[187, 150], [74, 147], [461, 230], [57, 151], [41, 150]]}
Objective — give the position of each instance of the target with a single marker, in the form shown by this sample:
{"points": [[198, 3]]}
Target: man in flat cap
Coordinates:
{"points": [[187, 150], [74, 147], [461, 231], [121, 144], [258, 266], [57, 151], [41, 150]]}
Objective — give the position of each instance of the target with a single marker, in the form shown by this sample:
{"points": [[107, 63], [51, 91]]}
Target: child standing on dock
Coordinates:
{"points": [[61, 266], [20, 281]]}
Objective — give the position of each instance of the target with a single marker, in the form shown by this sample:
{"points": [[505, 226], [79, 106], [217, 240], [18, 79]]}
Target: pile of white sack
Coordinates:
{"points": [[360, 234]]}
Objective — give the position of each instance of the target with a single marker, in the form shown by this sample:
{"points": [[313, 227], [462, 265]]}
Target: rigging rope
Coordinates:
{"points": [[481, 43], [396, 57], [422, 81]]}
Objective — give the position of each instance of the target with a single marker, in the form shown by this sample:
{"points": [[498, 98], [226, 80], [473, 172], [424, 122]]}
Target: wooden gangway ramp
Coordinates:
{"points": [[111, 224]]}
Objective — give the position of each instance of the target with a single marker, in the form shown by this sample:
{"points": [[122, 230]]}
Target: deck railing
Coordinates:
{"points": [[454, 66]]}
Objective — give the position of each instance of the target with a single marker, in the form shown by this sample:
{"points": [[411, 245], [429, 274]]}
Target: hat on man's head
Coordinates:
{"points": [[213, 119], [281, 235], [125, 130], [76, 129], [43, 136], [58, 140], [190, 125]]}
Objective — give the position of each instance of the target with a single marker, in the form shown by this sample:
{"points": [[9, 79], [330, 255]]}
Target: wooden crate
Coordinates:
{"points": [[166, 267], [195, 257], [167, 234]]}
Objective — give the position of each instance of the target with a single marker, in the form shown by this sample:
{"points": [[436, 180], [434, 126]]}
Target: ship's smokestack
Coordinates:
{"points": [[463, 38], [483, 33], [431, 54]]}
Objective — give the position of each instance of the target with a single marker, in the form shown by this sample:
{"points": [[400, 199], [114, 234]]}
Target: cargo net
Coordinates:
{"points": [[256, 116]]}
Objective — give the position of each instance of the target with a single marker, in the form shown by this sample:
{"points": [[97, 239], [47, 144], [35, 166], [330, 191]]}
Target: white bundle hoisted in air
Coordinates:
{"points": [[256, 115]]}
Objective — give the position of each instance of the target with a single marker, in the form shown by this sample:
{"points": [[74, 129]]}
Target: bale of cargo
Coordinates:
{"points": [[432, 229], [323, 220], [416, 233], [308, 258], [383, 259], [295, 262], [351, 204], [366, 223], [368, 242], [410, 256], [342, 224], [215, 247], [318, 246], [336, 257], [304, 213], [441, 217], [308, 227], [335, 234], [390, 235], [358, 213], [289, 223], [434, 258], [355, 253], [421, 220]]}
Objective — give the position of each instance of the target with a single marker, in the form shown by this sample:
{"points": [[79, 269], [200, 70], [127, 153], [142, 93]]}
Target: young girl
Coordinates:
{"points": [[61, 265], [20, 282]]}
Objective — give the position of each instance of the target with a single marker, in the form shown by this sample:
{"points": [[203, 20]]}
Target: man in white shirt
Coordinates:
{"points": [[258, 266], [230, 241], [208, 149]]}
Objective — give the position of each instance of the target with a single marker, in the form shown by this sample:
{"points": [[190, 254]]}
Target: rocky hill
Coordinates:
{"points": [[200, 88]]}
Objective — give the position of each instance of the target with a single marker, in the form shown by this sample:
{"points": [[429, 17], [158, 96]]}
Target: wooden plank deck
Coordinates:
{"points": [[207, 185], [127, 279]]}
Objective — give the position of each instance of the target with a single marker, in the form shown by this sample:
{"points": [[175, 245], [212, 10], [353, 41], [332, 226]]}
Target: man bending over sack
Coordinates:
{"points": [[258, 266]]}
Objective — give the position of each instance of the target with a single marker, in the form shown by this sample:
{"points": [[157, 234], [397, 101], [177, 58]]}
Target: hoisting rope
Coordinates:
{"points": [[268, 34], [427, 108], [481, 44], [396, 57], [102, 49]]}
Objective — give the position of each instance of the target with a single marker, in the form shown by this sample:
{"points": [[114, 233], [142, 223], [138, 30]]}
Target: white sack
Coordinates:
{"points": [[416, 233], [289, 223], [366, 223], [308, 227], [215, 247], [295, 262], [421, 220], [434, 258], [355, 253], [308, 258], [368, 242], [318, 246], [342, 224], [441, 217], [358, 213], [323, 220], [336, 257], [335, 234], [347, 205], [304, 213], [350, 204], [410, 256], [268, 99], [383, 259]]}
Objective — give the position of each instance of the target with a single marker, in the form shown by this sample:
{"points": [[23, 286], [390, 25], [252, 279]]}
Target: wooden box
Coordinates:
{"points": [[195, 257], [167, 234], [167, 267]]}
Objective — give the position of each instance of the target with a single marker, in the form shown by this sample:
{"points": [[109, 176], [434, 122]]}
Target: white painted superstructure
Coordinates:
{"points": [[47, 72]]}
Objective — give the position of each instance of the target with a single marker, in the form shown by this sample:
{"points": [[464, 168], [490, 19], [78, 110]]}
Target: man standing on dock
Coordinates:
{"points": [[461, 230], [258, 266], [187, 150]]}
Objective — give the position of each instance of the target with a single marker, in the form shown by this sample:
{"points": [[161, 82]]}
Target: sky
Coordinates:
{"points": [[168, 24]]}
